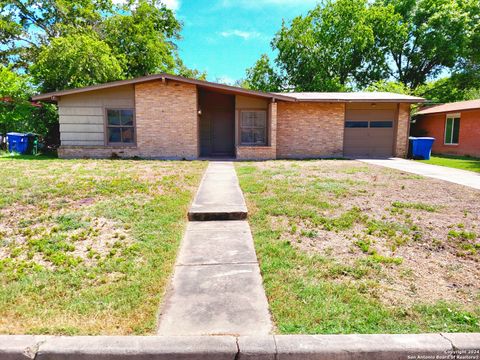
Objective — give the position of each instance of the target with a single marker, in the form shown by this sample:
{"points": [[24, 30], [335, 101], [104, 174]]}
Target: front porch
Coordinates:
{"points": [[236, 126]]}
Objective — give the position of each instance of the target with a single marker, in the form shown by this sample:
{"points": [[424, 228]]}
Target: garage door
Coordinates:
{"points": [[369, 132]]}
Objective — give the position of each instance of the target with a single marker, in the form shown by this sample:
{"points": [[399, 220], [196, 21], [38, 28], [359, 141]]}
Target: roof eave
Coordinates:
{"points": [[409, 101], [53, 96]]}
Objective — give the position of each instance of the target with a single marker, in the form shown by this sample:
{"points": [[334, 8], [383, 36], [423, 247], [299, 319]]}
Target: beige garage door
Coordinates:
{"points": [[369, 132]]}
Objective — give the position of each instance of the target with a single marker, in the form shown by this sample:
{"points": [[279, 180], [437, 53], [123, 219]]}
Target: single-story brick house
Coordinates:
{"points": [[455, 127], [167, 116]]}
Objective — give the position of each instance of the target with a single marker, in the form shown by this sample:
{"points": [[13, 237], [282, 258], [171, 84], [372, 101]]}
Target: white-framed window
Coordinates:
{"points": [[452, 129], [253, 127]]}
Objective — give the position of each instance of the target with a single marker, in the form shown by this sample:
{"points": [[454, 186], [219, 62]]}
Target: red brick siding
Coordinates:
{"points": [[469, 137], [309, 130]]}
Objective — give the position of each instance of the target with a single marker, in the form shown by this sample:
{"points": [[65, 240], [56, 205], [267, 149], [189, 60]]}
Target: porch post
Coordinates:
{"points": [[272, 120]]}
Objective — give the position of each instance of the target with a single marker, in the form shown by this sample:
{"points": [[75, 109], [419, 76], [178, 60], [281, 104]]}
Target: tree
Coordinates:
{"points": [[138, 36], [141, 38], [75, 61], [352, 44], [329, 49], [427, 37], [389, 86], [262, 76], [29, 24], [17, 113]]}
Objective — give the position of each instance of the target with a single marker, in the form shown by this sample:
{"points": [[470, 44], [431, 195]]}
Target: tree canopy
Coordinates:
{"points": [[65, 44], [357, 44]]}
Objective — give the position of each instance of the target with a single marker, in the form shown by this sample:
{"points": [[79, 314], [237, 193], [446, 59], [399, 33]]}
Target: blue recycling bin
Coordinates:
{"points": [[21, 143], [421, 147]]}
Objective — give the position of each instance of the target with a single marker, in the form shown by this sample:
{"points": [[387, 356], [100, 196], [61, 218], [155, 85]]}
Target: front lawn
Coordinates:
{"points": [[87, 246], [346, 247], [458, 162]]}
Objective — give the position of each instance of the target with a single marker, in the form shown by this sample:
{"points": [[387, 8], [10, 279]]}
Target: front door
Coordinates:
{"points": [[217, 124]]}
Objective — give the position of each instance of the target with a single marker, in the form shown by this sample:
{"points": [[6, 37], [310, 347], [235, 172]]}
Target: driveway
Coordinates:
{"points": [[457, 176]]}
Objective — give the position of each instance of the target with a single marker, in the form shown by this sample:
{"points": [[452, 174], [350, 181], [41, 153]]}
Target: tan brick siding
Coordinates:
{"points": [[166, 125], [167, 119], [255, 153], [403, 127], [96, 152], [309, 130]]}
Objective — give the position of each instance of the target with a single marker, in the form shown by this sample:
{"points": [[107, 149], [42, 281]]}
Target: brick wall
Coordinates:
{"points": [[403, 126], [166, 125], [96, 152], [310, 130], [468, 142], [166, 116]]}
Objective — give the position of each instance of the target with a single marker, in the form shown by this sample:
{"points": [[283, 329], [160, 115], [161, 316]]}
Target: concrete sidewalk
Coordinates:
{"points": [[457, 176], [219, 196], [217, 287]]}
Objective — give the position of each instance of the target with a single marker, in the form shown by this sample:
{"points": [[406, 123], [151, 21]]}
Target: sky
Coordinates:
{"points": [[225, 37]]}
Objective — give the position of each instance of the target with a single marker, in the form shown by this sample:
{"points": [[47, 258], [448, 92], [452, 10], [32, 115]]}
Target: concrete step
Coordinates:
{"points": [[219, 196]]}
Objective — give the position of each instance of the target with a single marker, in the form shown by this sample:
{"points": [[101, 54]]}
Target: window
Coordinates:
{"points": [[120, 126], [253, 128], [452, 129], [381, 124], [366, 124], [356, 124]]}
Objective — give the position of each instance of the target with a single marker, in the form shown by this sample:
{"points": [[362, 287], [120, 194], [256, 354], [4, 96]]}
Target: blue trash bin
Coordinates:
{"points": [[421, 147], [20, 143]]}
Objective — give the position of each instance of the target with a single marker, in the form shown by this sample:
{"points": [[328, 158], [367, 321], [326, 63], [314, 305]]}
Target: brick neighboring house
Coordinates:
{"points": [[455, 127], [170, 117]]}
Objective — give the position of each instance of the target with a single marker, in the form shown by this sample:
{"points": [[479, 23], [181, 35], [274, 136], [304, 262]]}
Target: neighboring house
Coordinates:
{"points": [[167, 116], [455, 127]]}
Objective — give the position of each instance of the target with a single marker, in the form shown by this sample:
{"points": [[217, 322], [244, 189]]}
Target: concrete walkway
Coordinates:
{"points": [[217, 287], [219, 196], [457, 176]]}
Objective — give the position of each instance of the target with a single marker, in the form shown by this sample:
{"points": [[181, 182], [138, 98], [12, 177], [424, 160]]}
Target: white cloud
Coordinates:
{"points": [[172, 4], [239, 33]]}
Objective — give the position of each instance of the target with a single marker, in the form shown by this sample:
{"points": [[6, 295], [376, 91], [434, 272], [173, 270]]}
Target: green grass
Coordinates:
{"points": [[310, 292], [457, 162], [87, 246]]}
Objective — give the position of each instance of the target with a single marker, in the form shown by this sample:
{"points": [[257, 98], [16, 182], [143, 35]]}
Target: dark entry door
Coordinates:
{"points": [[217, 124]]}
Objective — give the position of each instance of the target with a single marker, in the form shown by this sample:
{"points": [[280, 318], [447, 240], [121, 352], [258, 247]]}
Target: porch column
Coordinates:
{"points": [[272, 114]]}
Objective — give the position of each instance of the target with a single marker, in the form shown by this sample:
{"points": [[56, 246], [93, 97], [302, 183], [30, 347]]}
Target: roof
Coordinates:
{"points": [[162, 76], [451, 107], [291, 96], [361, 96]]}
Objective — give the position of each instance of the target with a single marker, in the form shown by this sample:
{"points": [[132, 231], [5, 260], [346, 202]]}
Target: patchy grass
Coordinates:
{"points": [[87, 246], [349, 248], [458, 162]]}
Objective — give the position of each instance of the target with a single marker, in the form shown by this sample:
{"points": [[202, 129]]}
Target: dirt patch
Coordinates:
{"points": [[425, 233]]}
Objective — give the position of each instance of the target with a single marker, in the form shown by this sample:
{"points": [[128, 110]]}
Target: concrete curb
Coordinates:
{"points": [[300, 347]]}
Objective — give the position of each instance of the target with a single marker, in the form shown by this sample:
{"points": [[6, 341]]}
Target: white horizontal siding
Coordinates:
{"points": [[81, 119], [82, 128], [80, 110], [82, 115], [81, 136], [82, 143]]}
